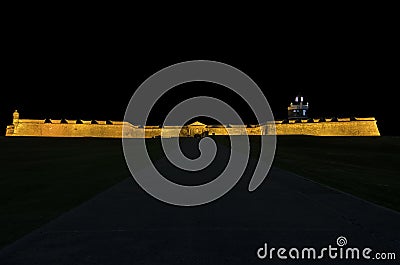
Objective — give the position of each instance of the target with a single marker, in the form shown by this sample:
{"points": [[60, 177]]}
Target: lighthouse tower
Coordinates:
{"points": [[298, 109]]}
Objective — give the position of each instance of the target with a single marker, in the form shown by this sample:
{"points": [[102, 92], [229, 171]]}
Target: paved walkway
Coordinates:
{"points": [[124, 225]]}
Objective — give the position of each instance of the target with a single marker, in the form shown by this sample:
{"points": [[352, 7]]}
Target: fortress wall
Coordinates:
{"points": [[152, 132], [66, 130], [240, 130], [217, 131], [31, 121], [172, 131], [360, 127], [184, 132], [28, 127], [344, 128], [254, 131], [236, 131]]}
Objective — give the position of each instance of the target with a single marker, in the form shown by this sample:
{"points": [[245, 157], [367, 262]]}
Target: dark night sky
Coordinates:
{"points": [[89, 70]]}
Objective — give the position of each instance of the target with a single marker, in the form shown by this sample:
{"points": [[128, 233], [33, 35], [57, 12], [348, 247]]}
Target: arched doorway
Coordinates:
{"points": [[196, 129]]}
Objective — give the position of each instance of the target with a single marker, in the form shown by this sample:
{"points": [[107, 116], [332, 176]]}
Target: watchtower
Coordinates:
{"points": [[15, 117], [298, 109]]}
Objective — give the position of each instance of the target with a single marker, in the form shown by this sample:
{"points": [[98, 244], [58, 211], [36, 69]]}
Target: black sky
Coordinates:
{"points": [[64, 68]]}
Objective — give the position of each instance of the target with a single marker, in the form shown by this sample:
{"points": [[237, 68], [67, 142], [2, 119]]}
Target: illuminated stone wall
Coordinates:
{"points": [[39, 128], [342, 127]]}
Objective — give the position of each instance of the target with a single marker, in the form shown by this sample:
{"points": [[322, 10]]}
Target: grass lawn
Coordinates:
{"points": [[43, 177], [367, 167]]}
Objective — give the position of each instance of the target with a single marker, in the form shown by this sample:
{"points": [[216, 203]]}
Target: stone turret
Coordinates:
{"points": [[11, 128], [15, 117]]}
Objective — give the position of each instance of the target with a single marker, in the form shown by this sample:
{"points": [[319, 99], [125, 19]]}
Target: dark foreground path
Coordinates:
{"points": [[124, 225]]}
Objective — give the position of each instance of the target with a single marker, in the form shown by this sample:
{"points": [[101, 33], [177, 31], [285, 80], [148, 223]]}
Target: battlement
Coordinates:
{"points": [[118, 129], [311, 120], [325, 127], [65, 121]]}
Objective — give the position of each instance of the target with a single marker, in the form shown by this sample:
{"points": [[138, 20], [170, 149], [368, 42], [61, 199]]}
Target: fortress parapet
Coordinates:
{"points": [[326, 127], [65, 128], [116, 129]]}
